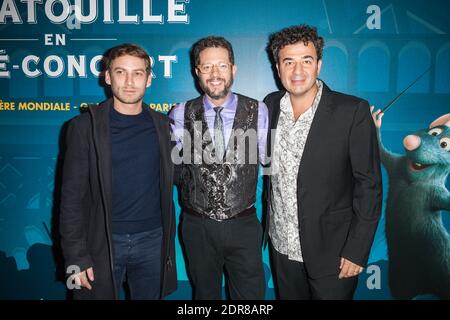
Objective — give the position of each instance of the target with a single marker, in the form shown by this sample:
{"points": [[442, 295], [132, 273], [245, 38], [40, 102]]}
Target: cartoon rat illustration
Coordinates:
{"points": [[418, 243]]}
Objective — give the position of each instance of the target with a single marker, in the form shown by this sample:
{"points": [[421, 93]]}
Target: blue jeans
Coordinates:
{"points": [[138, 256]]}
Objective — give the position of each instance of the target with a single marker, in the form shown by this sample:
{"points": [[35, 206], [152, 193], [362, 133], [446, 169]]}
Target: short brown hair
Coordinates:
{"points": [[127, 49], [211, 42], [292, 35]]}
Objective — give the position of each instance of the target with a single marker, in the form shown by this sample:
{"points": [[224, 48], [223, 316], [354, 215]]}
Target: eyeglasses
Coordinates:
{"points": [[208, 67]]}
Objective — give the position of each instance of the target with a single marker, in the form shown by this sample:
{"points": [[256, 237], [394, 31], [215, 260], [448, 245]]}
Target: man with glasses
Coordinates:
{"points": [[222, 136]]}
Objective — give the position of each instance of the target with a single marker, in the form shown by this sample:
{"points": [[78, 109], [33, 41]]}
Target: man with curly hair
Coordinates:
{"points": [[324, 194]]}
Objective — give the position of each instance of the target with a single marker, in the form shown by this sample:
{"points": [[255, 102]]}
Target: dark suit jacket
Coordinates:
{"points": [[85, 221], [339, 189]]}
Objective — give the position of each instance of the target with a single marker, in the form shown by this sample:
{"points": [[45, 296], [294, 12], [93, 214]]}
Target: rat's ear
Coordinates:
{"points": [[441, 121]]}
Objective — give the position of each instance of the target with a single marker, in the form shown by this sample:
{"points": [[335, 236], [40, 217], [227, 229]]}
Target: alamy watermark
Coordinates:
{"points": [[244, 147]]}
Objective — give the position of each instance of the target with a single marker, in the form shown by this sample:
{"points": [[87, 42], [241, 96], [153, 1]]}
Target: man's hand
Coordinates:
{"points": [[81, 279], [349, 269], [376, 116]]}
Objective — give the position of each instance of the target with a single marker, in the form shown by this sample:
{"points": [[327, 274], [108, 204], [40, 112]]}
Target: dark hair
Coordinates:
{"points": [[127, 49], [211, 42], [292, 35]]}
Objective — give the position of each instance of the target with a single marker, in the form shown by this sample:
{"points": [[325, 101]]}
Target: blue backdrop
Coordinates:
{"points": [[374, 49]]}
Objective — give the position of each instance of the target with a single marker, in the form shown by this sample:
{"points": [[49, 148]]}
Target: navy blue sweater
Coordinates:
{"points": [[135, 173]]}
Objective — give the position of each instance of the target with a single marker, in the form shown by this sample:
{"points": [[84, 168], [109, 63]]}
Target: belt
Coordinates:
{"points": [[247, 212]]}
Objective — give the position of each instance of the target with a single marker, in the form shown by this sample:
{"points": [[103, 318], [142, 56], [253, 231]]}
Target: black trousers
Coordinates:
{"points": [[292, 281], [231, 246]]}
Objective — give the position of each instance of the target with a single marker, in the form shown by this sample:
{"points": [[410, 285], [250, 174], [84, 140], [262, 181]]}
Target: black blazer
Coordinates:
{"points": [[85, 220], [339, 189]]}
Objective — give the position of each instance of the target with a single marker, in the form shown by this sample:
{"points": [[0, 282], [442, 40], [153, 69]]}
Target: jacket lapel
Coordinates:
{"points": [[166, 171], [102, 136], [321, 120], [162, 130], [274, 115]]}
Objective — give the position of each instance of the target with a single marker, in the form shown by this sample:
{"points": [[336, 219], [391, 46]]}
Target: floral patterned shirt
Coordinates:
{"points": [[290, 142]]}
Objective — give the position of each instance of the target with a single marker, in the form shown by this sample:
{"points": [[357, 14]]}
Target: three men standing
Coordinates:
{"points": [[323, 196]]}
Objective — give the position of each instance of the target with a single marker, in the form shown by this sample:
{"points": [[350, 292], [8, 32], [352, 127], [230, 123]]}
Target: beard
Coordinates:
{"points": [[127, 99], [216, 95]]}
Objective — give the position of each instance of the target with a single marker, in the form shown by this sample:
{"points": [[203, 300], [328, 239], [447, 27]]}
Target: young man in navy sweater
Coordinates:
{"points": [[117, 215]]}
